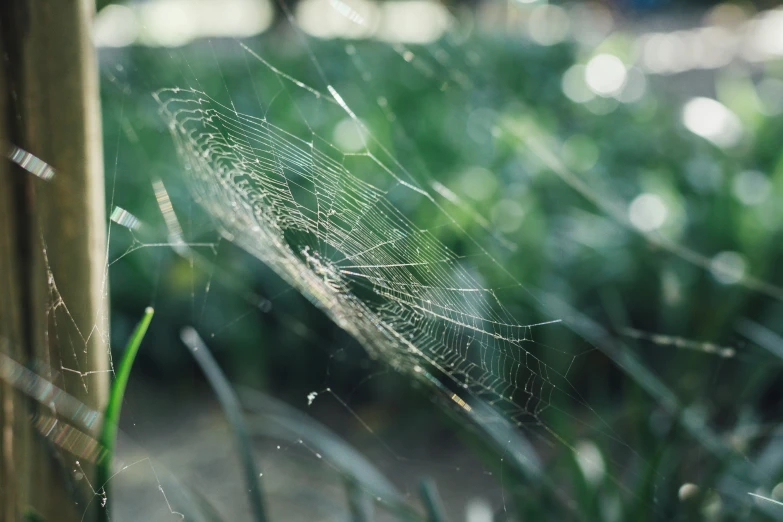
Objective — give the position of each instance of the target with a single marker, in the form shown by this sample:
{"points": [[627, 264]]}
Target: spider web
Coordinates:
{"points": [[345, 227], [342, 227], [337, 235]]}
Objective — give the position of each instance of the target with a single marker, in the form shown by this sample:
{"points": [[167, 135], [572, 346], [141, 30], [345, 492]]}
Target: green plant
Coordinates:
{"points": [[232, 409], [108, 434]]}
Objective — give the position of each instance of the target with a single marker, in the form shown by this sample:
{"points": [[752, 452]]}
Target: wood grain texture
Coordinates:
{"points": [[54, 316]]}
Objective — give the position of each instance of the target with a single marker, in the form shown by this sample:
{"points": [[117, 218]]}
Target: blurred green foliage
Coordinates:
{"points": [[563, 245]]}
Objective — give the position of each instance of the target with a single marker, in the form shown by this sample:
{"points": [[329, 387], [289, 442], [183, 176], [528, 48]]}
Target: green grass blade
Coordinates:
{"points": [[232, 409], [108, 435], [432, 501], [762, 336], [359, 503], [272, 418]]}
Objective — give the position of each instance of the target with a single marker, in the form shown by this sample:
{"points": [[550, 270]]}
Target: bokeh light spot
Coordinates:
{"points": [[647, 212], [728, 267], [711, 120], [751, 187], [605, 74]]}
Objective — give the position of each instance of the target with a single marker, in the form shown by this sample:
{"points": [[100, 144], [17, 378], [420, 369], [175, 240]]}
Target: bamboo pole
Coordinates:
{"points": [[53, 309]]}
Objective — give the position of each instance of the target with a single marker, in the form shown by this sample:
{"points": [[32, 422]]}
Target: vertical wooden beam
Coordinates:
{"points": [[54, 310], [14, 432]]}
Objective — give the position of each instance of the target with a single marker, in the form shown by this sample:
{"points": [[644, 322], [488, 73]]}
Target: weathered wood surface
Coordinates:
{"points": [[52, 246]]}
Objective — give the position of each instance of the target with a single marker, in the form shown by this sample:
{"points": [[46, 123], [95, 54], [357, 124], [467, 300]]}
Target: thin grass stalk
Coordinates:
{"points": [[359, 503], [433, 504], [233, 412], [108, 435]]}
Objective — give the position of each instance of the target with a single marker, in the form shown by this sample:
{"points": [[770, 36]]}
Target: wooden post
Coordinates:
{"points": [[53, 274]]}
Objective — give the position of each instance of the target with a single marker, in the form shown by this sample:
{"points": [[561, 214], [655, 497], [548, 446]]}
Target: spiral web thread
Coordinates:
{"points": [[348, 246]]}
